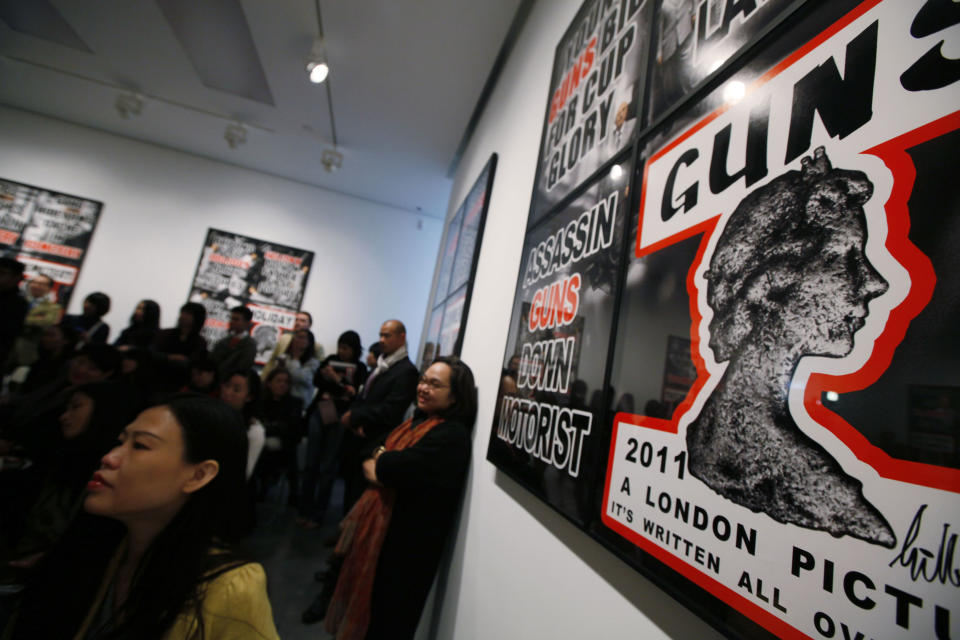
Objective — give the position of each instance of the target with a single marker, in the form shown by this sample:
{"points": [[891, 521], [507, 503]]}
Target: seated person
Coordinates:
{"points": [[94, 416], [143, 329], [90, 327], [303, 320], [43, 311], [165, 566], [54, 348], [30, 421], [301, 364], [137, 368], [174, 349], [203, 377], [236, 351]]}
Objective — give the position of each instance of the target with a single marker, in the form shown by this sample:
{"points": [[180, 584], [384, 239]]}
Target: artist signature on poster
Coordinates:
{"points": [[918, 559]]}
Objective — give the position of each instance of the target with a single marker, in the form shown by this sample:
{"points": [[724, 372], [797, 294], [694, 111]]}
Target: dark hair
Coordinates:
{"points": [[244, 311], [463, 389], [100, 302], [211, 431], [306, 313], [310, 351], [253, 391], [9, 264], [179, 561], [104, 356], [352, 339], [173, 571], [376, 349], [273, 374], [113, 408], [151, 315], [69, 335], [203, 362], [199, 313]]}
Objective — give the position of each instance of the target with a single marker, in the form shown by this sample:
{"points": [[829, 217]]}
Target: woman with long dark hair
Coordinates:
{"points": [[173, 484], [392, 539], [175, 349], [94, 414], [143, 329]]}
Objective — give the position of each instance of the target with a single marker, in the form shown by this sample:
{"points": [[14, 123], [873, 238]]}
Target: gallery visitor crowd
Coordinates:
{"points": [[135, 466]]}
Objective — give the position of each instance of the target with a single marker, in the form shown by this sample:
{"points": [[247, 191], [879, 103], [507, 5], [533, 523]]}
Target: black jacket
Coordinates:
{"points": [[386, 400], [428, 477]]}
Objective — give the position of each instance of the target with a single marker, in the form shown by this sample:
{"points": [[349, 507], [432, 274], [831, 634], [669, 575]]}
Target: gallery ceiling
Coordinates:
{"points": [[405, 78]]}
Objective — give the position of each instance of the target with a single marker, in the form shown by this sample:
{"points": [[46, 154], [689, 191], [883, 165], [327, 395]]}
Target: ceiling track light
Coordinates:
{"points": [[331, 160], [128, 104], [235, 135], [317, 68]]}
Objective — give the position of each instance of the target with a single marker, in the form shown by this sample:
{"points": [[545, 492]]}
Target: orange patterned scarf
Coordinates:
{"points": [[362, 534]]}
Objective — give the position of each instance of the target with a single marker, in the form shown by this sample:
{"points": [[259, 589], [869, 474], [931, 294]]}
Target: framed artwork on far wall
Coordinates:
{"points": [[450, 302], [49, 232], [267, 277]]}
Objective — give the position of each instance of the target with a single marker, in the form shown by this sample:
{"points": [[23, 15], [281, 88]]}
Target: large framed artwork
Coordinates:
{"points": [[695, 39], [775, 444], [269, 278], [596, 90], [460, 250], [48, 231]]}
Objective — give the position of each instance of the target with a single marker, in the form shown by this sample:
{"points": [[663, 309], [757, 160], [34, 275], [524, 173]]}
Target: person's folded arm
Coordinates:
{"points": [[439, 459]]}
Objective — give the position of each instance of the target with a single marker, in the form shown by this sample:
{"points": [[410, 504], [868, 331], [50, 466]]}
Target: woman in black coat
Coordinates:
{"points": [[393, 538]]}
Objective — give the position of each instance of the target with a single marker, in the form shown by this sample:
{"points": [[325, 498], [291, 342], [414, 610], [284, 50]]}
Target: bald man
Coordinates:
{"points": [[380, 405]]}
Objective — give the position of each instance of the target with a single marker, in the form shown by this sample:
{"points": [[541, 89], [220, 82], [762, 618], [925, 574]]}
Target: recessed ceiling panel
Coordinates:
{"points": [[40, 19], [216, 37]]}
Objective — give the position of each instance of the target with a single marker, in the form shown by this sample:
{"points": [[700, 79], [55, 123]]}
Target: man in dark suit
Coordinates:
{"points": [[379, 407], [236, 351]]}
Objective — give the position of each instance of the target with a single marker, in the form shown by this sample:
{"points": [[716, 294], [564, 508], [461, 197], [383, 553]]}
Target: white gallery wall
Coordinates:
{"points": [[519, 569], [372, 261]]}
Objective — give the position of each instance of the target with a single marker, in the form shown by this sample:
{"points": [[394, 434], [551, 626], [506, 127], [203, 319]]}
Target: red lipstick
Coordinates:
{"points": [[97, 482]]}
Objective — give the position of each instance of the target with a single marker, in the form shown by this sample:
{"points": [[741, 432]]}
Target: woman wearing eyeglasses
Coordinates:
{"points": [[392, 539]]}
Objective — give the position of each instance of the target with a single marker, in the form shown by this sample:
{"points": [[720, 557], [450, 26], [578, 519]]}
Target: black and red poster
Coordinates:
{"points": [[695, 38], [548, 431], [783, 384], [595, 92], [269, 278], [48, 232]]}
